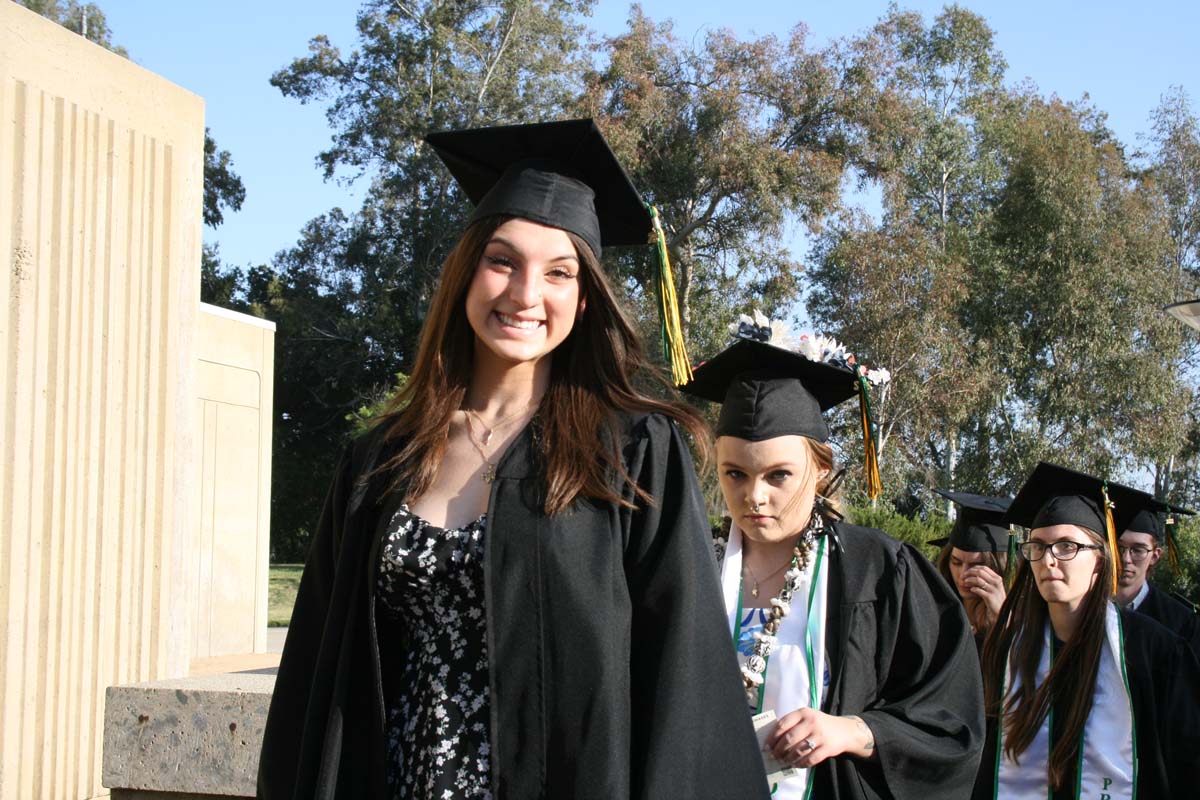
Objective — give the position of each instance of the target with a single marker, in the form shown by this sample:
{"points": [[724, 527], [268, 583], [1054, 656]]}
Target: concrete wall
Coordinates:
{"points": [[100, 221], [235, 358]]}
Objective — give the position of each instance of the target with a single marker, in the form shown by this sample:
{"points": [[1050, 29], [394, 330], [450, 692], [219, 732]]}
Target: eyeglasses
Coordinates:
{"points": [[1063, 550], [1137, 552]]}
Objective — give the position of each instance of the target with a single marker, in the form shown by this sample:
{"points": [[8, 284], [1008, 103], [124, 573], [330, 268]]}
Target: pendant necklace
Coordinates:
{"points": [[753, 577], [489, 467], [487, 432]]}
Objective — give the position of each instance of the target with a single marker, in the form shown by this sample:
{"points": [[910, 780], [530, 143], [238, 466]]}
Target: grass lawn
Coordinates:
{"points": [[281, 593]]}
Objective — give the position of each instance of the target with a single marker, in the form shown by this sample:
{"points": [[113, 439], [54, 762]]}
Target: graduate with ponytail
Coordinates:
{"points": [[1084, 699]]}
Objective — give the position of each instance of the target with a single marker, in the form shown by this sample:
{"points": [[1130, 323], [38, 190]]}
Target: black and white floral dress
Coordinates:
{"points": [[430, 585]]}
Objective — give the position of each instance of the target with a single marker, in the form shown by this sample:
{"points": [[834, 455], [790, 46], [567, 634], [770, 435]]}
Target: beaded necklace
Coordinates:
{"points": [[781, 605]]}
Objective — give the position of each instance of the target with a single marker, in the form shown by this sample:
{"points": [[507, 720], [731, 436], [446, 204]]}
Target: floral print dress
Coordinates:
{"points": [[430, 586]]}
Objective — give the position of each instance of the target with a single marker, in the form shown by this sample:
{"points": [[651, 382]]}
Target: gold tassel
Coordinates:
{"points": [[1172, 546], [871, 450], [1010, 568], [1110, 528], [674, 350]]}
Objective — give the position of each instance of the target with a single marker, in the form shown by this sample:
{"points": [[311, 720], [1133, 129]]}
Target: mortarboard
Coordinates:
{"points": [[1054, 495], [980, 526], [1158, 519], [563, 174], [766, 391]]}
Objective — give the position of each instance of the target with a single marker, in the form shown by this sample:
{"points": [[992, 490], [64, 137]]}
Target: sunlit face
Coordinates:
{"points": [[960, 560], [1066, 582], [525, 295], [1133, 572], [768, 486]]}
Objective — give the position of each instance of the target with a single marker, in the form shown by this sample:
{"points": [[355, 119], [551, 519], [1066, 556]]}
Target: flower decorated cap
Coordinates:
{"points": [[767, 390], [1054, 495], [561, 174], [980, 526]]}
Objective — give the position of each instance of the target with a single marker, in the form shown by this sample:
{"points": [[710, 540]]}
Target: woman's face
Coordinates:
{"points": [[768, 486], [960, 560], [1066, 582], [525, 294]]}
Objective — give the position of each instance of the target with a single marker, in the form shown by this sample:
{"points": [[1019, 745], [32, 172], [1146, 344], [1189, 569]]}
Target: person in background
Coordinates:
{"points": [[1141, 549], [510, 593], [857, 660], [1085, 699], [974, 558]]}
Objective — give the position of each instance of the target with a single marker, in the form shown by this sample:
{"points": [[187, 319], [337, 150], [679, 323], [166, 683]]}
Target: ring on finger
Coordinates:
{"points": [[808, 744]]}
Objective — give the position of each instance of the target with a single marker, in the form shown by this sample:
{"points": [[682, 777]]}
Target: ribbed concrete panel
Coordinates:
{"points": [[100, 193]]}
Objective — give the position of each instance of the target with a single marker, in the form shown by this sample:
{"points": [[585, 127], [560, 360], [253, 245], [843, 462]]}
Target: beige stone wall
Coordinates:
{"points": [[100, 224], [235, 358]]}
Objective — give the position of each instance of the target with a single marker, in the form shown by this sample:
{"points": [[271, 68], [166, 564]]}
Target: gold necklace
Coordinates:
{"points": [[489, 471], [487, 432], [774, 572]]}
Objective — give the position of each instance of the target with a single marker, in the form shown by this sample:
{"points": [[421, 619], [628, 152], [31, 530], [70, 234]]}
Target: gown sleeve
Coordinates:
{"points": [[691, 734], [297, 702], [928, 720], [1175, 676]]}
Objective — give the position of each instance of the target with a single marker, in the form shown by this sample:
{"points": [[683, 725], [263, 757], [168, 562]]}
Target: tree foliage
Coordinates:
{"points": [[223, 188], [733, 141]]}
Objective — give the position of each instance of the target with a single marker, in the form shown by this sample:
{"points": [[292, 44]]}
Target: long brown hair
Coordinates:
{"points": [[592, 377], [1071, 682]]}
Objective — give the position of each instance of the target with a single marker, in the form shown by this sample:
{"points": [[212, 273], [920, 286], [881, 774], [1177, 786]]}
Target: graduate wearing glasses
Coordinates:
{"points": [[1084, 699], [1140, 547]]}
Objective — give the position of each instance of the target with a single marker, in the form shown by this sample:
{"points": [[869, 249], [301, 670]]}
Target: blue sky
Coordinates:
{"points": [[1124, 55]]}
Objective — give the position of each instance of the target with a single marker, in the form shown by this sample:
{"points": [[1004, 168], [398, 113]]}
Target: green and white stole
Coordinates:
{"points": [[1107, 766], [795, 676]]}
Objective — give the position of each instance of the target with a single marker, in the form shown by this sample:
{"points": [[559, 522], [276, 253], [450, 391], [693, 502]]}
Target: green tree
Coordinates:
{"points": [[733, 141], [918, 105], [223, 188], [1078, 262]]}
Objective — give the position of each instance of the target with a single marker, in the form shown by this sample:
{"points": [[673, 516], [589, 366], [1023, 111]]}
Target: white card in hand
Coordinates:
{"points": [[777, 771]]}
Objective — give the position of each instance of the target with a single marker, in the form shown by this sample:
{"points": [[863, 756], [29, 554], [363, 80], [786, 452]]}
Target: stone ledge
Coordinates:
{"points": [[187, 737]]}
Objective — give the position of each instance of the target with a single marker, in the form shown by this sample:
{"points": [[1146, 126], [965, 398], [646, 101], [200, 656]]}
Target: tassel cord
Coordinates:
{"points": [[671, 326]]}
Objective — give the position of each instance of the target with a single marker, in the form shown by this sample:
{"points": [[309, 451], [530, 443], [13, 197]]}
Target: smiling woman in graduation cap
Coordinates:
{"points": [[510, 593], [848, 637], [1085, 700]]}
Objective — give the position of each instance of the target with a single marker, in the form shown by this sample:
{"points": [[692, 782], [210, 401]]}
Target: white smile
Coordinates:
{"points": [[519, 324]]}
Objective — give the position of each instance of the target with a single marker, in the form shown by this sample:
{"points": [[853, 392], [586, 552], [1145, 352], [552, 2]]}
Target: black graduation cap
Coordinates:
{"points": [[561, 174], [1149, 519], [980, 526], [1055, 495], [767, 391]]}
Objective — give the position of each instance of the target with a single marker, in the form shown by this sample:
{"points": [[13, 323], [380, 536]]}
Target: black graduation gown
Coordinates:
{"points": [[1165, 690], [1172, 615], [902, 658], [611, 674]]}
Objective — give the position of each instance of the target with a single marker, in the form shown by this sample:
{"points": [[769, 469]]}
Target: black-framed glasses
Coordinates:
{"points": [[1136, 552], [1063, 550]]}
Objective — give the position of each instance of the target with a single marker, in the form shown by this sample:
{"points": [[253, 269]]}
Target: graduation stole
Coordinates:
{"points": [[1107, 766], [795, 676]]}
